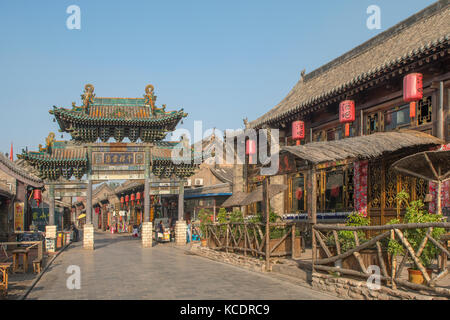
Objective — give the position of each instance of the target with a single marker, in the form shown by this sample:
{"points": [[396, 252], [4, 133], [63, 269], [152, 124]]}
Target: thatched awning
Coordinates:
{"points": [[235, 199], [257, 194], [362, 147], [428, 165]]}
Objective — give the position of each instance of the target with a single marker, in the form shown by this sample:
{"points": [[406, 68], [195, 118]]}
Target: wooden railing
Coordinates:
{"points": [[30, 245], [390, 273], [252, 238]]}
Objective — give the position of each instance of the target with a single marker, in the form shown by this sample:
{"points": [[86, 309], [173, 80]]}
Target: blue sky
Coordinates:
{"points": [[219, 60]]}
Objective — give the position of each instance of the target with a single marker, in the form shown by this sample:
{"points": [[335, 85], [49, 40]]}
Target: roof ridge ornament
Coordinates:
{"points": [[88, 96], [48, 143], [302, 75]]}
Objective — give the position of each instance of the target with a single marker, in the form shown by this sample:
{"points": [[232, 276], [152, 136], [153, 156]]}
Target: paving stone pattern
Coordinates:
{"points": [[119, 268]]}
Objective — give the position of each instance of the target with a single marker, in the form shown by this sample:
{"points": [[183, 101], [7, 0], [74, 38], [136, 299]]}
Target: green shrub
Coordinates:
{"points": [[416, 213]]}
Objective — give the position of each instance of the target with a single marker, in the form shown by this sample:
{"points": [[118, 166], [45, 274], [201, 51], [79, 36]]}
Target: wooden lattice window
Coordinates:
{"points": [[397, 118], [319, 136], [375, 185], [297, 193], [424, 111]]}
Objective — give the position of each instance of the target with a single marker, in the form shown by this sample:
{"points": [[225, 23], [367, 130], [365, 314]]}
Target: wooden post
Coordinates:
{"points": [[226, 238], [313, 211], [293, 241], [266, 208], [439, 206], [245, 239]]}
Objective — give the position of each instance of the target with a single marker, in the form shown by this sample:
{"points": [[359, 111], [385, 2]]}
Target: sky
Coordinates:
{"points": [[221, 61]]}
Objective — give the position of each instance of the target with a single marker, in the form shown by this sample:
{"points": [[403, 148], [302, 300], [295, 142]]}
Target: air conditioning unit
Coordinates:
{"points": [[198, 182], [188, 183]]}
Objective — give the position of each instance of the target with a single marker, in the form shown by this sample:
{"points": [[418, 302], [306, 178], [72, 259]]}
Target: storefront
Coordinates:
{"points": [[364, 93]]}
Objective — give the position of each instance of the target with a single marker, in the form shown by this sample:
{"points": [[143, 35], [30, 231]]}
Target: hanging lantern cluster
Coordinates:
{"points": [[298, 131], [347, 114], [138, 198], [412, 91], [250, 149], [37, 196]]}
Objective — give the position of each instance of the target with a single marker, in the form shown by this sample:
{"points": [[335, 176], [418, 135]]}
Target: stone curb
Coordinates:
{"points": [[42, 273]]}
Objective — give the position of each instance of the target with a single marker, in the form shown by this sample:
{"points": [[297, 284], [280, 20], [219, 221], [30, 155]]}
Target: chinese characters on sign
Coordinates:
{"points": [[18, 216], [118, 158]]}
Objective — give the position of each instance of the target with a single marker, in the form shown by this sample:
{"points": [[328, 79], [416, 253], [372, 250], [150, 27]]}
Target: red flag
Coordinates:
{"points": [[11, 157]]}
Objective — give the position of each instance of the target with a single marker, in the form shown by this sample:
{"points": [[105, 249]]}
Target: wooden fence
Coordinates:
{"points": [[330, 258], [30, 245], [252, 238]]}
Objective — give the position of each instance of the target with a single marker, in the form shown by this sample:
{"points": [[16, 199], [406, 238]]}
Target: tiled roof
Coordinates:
{"points": [[19, 172], [126, 102], [118, 115], [4, 190], [119, 112], [224, 174], [428, 29], [60, 155]]}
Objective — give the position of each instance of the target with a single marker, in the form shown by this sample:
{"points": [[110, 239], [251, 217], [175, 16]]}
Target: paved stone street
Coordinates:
{"points": [[120, 269]]}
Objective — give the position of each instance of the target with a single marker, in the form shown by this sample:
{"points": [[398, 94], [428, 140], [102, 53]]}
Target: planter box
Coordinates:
{"points": [[368, 256], [285, 248]]}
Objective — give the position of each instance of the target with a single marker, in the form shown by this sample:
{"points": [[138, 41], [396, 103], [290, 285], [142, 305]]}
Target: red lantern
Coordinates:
{"points": [[299, 193], [122, 200], [298, 131], [37, 196], [127, 199], [347, 114], [97, 210], [138, 197], [250, 149], [412, 91], [133, 197]]}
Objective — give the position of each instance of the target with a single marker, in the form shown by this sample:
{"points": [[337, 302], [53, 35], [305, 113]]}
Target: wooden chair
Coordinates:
{"points": [[37, 265], [4, 266], [16, 258]]}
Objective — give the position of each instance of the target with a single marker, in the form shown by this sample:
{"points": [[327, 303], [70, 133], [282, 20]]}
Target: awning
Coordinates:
{"points": [[361, 147], [428, 165], [205, 195], [257, 194], [235, 199]]}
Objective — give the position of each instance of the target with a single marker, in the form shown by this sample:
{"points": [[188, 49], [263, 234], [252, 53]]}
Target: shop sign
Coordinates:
{"points": [[50, 244], [18, 216]]}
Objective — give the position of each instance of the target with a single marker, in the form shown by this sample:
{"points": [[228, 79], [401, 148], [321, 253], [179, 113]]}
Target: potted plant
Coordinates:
{"points": [[205, 218], [347, 242], [416, 213]]}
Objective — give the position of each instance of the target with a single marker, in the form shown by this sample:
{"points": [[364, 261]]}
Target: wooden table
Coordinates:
{"points": [[4, 266], [16, 257]]}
